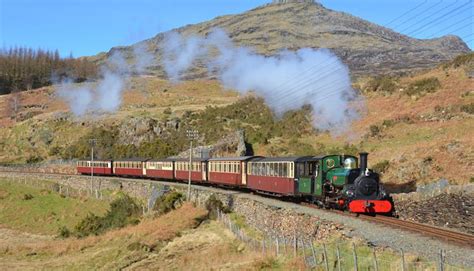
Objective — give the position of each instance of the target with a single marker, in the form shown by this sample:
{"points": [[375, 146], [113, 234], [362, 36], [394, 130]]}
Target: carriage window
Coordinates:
{"points": [[300, 168]]}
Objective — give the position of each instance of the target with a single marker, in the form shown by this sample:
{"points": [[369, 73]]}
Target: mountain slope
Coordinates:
{"points": [[366, 47]]}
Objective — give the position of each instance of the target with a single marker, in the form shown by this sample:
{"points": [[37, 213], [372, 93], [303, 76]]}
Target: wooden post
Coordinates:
{"points": [[441, 260], [295, 246], [313, 251], [356, 267], [277, 246], [263, 246], [376, 266], [326, 264], [304, 252], [403, 259], [338, 255]]}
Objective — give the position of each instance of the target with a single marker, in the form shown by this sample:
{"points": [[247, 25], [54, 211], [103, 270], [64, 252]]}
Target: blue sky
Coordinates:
{"points": [[87, 27]]}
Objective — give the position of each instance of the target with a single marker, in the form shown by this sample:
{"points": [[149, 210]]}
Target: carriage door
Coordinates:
{"points": [[243, 166], [204, 171], [144, 168]]}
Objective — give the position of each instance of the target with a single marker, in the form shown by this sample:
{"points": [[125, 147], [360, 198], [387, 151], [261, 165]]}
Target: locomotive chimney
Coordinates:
{"points": [[363, 162]]}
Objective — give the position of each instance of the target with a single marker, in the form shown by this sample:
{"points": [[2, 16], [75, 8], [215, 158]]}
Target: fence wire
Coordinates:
{"points": [[335, 256]]}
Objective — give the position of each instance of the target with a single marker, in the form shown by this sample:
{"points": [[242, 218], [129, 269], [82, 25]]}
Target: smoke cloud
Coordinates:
{"points": [[286, 81], [106, 94]]}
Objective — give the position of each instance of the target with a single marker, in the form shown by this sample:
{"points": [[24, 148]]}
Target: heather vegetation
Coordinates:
{"points": [[123, 211], [423, 86], [250, 114], [383, 83], [23, 68]]}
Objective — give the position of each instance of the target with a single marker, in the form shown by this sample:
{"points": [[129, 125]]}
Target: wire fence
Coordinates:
{"points": [[334, 256]]}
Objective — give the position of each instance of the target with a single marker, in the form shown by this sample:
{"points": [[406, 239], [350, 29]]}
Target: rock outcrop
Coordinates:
{"points": [[230, 146]]}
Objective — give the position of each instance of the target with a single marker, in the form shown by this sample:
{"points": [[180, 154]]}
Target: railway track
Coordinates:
{"points": [[440, 233], [446, 235]]}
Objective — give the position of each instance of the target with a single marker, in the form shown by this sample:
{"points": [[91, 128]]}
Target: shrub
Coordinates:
{"points": [[137, 246], [64, 232], [426, 85], [91, 224], [388, 123], [464, 59], [32, 159], [298, 148], [213, 205], [55, 187], [374, 130], [468, 108], [27, 197], [167, 111], [381, 167], [123, 211], [381, 84], [168, 202]]}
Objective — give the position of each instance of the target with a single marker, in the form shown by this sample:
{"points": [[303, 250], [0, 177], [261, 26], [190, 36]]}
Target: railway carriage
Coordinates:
{"points": [[130, 167], [100, 167], [230, 171], [279, 176], [198, 170], [160, 169], [332, 181]]}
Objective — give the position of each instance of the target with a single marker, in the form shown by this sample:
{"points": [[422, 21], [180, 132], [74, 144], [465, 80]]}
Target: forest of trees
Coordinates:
{"points": [[25, 68]]}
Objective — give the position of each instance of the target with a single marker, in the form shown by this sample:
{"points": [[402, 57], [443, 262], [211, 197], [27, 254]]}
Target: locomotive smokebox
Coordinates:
{"points": [[363, 162]]}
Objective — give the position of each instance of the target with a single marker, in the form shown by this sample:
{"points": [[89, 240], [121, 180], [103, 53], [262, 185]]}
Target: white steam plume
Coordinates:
{"points": [[106, 96], [286, 81]]}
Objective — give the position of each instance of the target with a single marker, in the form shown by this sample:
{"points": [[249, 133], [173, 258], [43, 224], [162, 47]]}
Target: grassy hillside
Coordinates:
{"points": [[162, 242], [417, 128], [42, 211], [185, 238]]}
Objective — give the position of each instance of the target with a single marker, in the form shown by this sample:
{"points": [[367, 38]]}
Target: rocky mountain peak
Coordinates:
{"points": [[293, 1], [365, 47]]}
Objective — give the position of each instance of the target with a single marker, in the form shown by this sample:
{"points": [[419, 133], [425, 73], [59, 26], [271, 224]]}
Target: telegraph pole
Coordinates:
{"points": [[192, 135], [92, 142]]}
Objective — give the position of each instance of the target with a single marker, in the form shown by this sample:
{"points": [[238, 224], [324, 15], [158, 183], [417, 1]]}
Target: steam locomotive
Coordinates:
{"points": [[331, 181]]}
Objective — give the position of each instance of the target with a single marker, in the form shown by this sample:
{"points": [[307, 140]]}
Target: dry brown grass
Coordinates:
{"points": [[173, 242], [163, 228]]}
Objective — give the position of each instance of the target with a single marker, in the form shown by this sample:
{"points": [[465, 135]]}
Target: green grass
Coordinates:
{"points": [[45, 212], [239, 221]]}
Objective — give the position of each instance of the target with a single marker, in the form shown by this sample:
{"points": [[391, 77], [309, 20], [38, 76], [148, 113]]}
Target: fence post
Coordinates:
{"points": [[403, 259], [356, 266], [326, 264], [338, 255], [295, 245], [304, 252], [277, 246], [376, 266], [441, 260], [313, 251]]}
